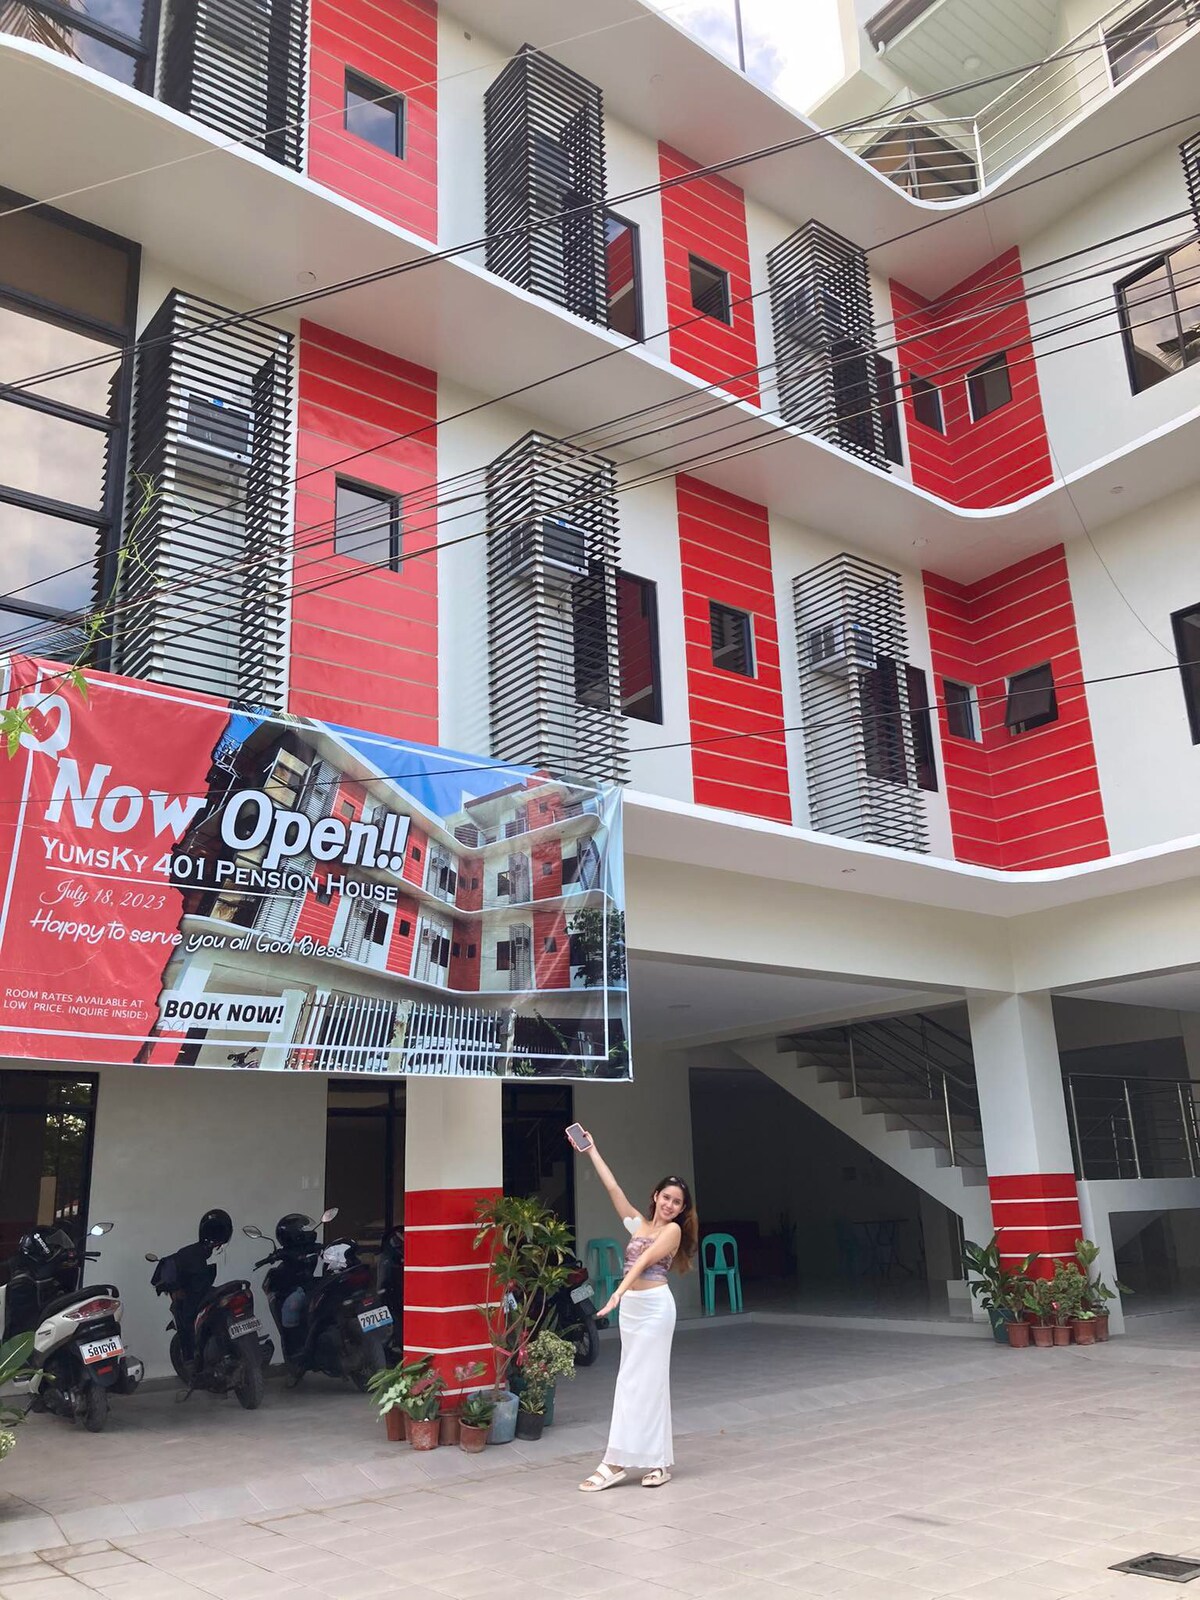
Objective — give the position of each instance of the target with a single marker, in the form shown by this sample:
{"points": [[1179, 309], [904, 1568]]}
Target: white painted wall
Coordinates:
{"points": [[171, 1144]]}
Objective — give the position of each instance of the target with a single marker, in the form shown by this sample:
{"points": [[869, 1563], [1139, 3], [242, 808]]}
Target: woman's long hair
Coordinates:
{"points": [[689, 1225]]}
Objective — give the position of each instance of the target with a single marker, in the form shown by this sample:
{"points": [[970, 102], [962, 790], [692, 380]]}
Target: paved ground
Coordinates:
{"points": [[811, 1463]]}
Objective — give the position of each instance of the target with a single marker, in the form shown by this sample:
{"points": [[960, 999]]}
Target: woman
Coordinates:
{"points": [[640, 1433]]}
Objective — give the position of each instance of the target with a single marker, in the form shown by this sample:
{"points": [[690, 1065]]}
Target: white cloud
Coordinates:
{"points": [[793, 47]]}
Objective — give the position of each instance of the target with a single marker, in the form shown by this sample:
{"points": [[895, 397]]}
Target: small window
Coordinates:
{"points": [[637, 648], [550, 945], [503, 883], [1160, 317], [570, 870], [456, 951], [345, 810], [405, 927], [962, 709], [547, 869], [472, 951], [624, 276], [376, 928], [375, 114], [882, 723], [366, 525], [474, 882], [324, 892], [927, 403], [503, 955], [1186, 626], [989, 386], [415, 852], [732, 639], [1031, 701], [710, 290], [922, 728], [889, 411], [1141, 34]]}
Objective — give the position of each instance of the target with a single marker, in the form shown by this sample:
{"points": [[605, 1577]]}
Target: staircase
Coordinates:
{"points": [[903, 1089]]}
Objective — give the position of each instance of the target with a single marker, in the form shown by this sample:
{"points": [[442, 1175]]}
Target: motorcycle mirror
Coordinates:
{"points": [[150, 1256], [328, 1216], [252, 1232], [98, 1228]]}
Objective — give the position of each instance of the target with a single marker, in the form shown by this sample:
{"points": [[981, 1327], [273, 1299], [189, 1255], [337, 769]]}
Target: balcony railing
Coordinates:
{"points": [[1133, 1127]]}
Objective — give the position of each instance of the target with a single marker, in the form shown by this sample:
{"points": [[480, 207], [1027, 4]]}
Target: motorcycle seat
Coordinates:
{"points": [[211, 1296], [77, 1297]]}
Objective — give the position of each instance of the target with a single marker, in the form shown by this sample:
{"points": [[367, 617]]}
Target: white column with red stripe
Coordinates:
{"points": [[453, 1157], [1026, 1140]]}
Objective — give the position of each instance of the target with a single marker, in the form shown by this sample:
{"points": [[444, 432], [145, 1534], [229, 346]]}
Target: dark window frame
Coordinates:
{"points": [[978, 403], [1124, 42], [920, 719], [890, 433], [141, 50], [1122, 288], [11, 1103], [722, 287], [968, 699], [649, 590], [1015, 721], [504, 954], [638, 301], [924, 389], [748, 653], [1188, 656], [395, 533], [371, 91]]}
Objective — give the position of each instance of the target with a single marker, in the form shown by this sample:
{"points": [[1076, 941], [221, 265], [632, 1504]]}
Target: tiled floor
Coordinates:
{"points": [[810, 1463]]}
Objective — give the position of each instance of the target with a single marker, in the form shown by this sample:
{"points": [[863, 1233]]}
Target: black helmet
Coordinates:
{"points": [[216, 1227], [34, 1248], [295, 1231]]}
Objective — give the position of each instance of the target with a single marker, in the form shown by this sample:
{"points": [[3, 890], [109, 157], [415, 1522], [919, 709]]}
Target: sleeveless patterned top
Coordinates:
{"points": [[657, 1271]]}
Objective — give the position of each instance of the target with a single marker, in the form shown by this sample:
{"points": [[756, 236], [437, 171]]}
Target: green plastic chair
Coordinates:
{"points": [[719, 1259], [605, 1263]]}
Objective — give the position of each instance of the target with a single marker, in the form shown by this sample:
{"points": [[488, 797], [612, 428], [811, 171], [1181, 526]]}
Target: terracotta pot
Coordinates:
{"points": [[407, 1428], [1043, 1337], [530, 1424], [394, 1422], [1062, 1333], [448, 1426], [470, 1439], [1018, 1334], [424, 1435], [1084, 1330], [1100, 1323]]}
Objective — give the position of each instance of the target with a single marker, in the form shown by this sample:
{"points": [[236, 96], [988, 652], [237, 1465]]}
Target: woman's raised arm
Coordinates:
{"points": [[615, 1192]]}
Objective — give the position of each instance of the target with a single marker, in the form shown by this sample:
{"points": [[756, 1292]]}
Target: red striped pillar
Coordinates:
{"points": [[1037, 1212], [453, 1159]]}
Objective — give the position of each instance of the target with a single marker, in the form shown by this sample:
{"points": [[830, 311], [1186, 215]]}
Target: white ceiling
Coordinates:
{"points": [[934, 50], [1171, 991]]}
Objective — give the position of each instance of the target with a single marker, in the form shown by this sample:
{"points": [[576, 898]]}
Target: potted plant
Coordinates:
{"points": [[1065, 1290], [1097, 1293], [548, 1358], [474, 1422], [1000, 1291], [528, 1247], [391, 1388], [450, 1420], [1039, 1306], [423, 1405], [14, 1354]]}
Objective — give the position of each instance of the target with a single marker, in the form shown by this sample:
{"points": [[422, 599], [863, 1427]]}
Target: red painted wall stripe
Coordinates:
{"points": [[1000, 457], [365, 650], [392, 43], [1036, 1213], [440, 1232], [1031, 799], [707, 218], [725, 555]]}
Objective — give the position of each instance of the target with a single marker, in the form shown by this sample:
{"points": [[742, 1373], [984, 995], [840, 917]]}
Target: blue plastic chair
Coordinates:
{"points": [[605, 1262], [719, 1259]]}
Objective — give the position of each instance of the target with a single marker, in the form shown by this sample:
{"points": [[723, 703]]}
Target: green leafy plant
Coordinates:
{"points": [[477, 1411], [999, 1289], [527, 1248], [548, 1358], [423, 1402], [394, 1385], [1096, 1294], [599, 944], [14, 1354], [1039, 1301], [1066, 1292]]}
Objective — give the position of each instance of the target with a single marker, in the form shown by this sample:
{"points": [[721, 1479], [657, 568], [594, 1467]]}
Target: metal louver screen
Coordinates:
{"points": [[861, 752], [824, 332], [239, 66], [555, 689], [545, 184], [203, 569]]}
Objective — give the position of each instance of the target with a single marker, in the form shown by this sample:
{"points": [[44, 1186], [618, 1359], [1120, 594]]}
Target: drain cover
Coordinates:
{"points": [[1171, 1569]]}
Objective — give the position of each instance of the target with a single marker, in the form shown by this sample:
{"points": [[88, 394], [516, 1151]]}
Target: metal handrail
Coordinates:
{"points": [[890, 1031], [1147, 1124]]}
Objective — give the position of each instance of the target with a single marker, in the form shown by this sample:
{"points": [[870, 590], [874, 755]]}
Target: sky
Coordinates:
{"points": [[792, 46]]}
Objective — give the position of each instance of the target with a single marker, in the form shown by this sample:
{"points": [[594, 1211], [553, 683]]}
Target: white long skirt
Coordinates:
{"points": [[640, 1435]]}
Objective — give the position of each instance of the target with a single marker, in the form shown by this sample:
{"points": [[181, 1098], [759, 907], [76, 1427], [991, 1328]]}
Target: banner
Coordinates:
{"points": [[184, 882]]}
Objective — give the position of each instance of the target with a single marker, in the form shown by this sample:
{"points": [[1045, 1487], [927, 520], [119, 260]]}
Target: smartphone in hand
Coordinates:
{"points": [[580, 1139]]}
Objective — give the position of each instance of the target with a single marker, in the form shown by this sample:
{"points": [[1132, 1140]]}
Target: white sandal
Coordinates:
{"points": [[604, 1477], [656, 1479]]}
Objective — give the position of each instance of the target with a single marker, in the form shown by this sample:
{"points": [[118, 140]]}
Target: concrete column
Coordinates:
{"points": [[453, 1157], [1026, 1142]]}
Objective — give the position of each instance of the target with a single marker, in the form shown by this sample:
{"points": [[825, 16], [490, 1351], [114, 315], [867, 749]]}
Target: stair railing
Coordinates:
{"points": [[1133, 1127]]}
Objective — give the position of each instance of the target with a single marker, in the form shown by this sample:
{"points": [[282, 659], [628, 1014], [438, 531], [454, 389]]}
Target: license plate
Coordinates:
{"points": [[381, 1317], [101, 1350], [584, 1292], [248, 1325]]}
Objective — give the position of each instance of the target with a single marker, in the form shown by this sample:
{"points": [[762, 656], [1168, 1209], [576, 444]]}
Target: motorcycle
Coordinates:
{"points": [[571, 1312], [217, 1341], [333, 1322], [389, 1284], [78, 1355]]}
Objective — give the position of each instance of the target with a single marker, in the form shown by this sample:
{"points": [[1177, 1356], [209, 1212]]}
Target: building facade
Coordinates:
{"points": [[441, 371]]}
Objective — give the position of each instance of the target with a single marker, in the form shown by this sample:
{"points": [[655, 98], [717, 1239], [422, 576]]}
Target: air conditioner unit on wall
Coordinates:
{"points": [[556, 546], [215, 431], [841, 648]]}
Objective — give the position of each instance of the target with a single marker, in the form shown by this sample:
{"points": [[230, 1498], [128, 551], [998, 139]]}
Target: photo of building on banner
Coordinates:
{"points": [[186, 883]]}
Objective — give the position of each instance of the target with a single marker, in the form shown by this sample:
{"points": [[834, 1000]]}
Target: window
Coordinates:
{"points": [[324, 892], [590, 621], [67, 294], [920, 161], [637, 648], [503, 883], [415, 852], [922, 727], [1186, 627], [882, 722], [853, 402], [962, 710], [889, 411], [710, 290], [989, 386], [503, 955], [1031, 701], [927, 403], [405, 927], [732, 639], [366, 525], [109, 36], [1160, 317], [375, 928], [547, 869], [472, 951], [456, 951], [624, 276], [550, 945], [570, 870], [1143, 33], [375, 114]]}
